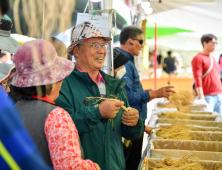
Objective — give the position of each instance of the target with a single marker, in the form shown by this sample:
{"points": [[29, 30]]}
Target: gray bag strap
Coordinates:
{"points": [[211, 66]]}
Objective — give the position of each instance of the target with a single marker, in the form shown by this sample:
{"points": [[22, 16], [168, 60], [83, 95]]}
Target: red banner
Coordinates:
{"points": [[127, 2]]}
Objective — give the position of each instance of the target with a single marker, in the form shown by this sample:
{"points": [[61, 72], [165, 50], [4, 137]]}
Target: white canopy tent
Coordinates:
{"points": [[200, 17], [186, 44], [204, 17], [197, 16]]}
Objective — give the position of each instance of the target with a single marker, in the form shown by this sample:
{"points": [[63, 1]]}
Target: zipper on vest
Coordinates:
{"points": [[113, 125], [104, 149], [104, 140]]}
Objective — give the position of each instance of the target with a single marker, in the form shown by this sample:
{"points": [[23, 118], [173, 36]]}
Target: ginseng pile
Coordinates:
{"points": [[183, 109], [182, 98], [174, 115], [178, 131], [186, 163]]}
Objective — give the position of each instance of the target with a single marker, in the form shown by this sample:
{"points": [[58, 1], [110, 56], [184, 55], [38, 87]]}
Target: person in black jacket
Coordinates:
{"points": [[169, 64]]}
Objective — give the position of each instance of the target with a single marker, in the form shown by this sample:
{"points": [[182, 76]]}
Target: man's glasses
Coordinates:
{"points": [[98, 45], [140, 41], [214, 43]]}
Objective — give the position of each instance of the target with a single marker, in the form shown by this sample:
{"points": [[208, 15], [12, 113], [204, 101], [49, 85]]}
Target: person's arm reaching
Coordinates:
{"points": [[63, 142], [164, 63], [162, 92], [148, 129], [200, 93], [142, 96]]}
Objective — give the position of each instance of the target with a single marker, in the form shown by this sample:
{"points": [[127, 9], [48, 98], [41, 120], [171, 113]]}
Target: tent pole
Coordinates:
{"points": [[108, 4], [43, 21], [155, 57]]}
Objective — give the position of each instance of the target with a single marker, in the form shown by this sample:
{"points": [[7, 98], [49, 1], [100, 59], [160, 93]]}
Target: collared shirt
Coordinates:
{"points": [[100, 78], [101, 83]]}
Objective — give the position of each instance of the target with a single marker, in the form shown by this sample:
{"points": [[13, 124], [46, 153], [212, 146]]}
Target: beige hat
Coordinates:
{"points": [[82, 32]]}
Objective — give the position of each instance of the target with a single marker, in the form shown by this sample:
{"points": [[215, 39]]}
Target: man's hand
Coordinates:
{"points": [[200, 93], [162, 92], [97, 166], [109, 108], [149, 129], [131, 117], [201, 97]]}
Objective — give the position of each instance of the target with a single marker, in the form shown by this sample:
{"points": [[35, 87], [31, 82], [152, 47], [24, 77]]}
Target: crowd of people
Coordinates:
{"points": [[64, 115]]}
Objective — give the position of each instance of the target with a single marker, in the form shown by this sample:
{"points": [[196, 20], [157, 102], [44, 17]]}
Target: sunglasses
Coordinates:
{"points": [[140, 41]]}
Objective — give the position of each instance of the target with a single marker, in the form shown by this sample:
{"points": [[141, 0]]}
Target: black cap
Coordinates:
{"points": [[119, 58]]}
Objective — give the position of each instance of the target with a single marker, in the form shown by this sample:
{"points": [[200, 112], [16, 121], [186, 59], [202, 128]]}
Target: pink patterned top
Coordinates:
{"points": [[62, 137]]}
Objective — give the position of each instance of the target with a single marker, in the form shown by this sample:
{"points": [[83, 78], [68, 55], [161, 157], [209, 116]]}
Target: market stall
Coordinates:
{"points": [[188, 137]]}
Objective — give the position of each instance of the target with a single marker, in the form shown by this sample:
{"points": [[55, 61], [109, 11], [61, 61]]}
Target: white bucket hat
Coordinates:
{"points": [[7, 43], [82, 32]]}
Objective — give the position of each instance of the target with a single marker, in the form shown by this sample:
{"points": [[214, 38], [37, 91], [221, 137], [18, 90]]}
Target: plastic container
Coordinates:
{"points": [[210, 165], [206, 136], [193, 116], [196, 135], [178, 154], [192, 145], [196, 128], [201, 112], [191, 122]]}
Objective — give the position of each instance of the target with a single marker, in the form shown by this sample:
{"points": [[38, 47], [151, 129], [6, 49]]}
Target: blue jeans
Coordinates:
{"points": [[215, 102]]}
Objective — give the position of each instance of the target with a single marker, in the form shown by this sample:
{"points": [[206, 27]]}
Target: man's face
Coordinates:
{"points": [[91, 57], [6, 57], [211, 45], [136, 47]]}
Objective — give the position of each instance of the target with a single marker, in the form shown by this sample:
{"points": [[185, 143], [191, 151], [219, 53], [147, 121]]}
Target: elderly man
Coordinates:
{"points": [[101, 124]]}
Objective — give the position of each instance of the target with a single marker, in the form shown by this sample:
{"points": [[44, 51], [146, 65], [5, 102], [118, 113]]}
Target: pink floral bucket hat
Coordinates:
{"points": [[37, 63], [82, 32]]}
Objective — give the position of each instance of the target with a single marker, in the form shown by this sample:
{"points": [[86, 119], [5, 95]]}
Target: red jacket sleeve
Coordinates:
{"points": [[62, 137], [197, 68]]}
